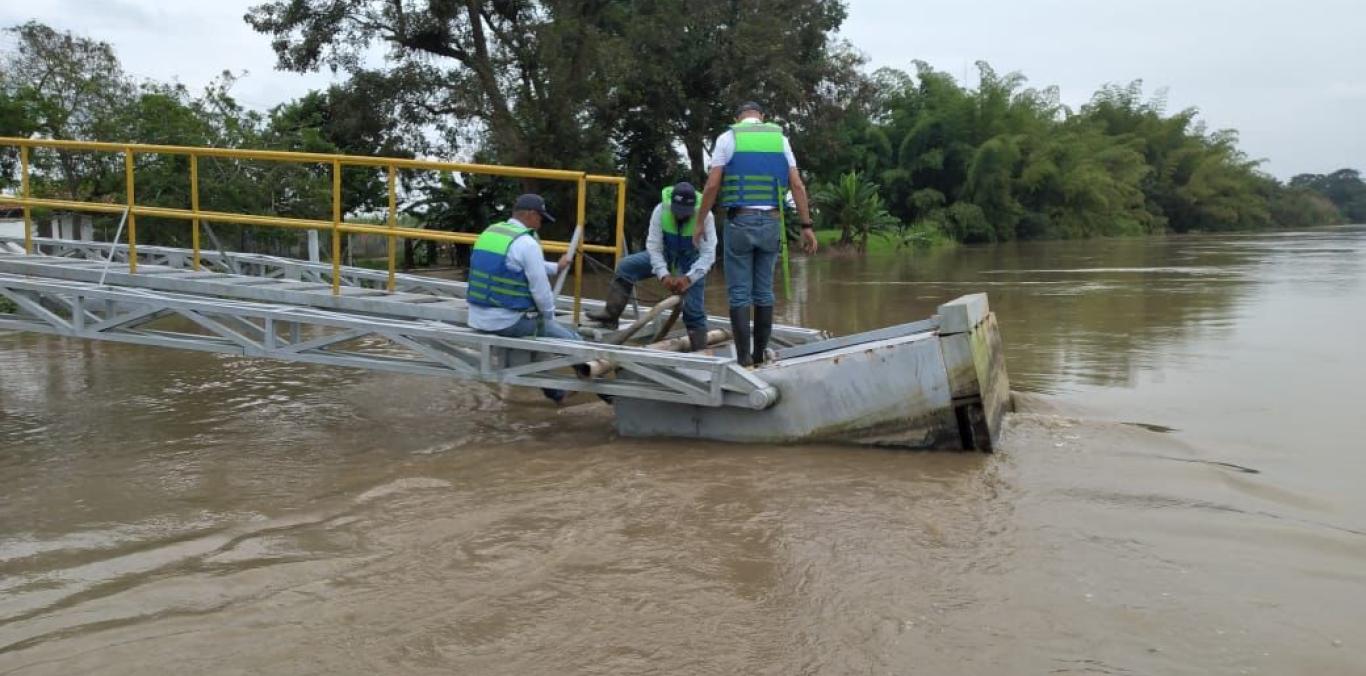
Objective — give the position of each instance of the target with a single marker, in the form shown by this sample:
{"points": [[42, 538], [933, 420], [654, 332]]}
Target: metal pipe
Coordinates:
{"points": [[621, 221], [669, 324], [600, 367], [573, 250], [194, 206], [285, 222], [113, 247], [582, 213], [393, 224], [289, 156], [624, 335], [336, 227], [132, 216], [24, 190]]}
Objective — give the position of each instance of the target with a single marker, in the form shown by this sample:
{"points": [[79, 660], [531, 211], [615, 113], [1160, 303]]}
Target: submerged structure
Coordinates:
{"points": [[937, 383]]}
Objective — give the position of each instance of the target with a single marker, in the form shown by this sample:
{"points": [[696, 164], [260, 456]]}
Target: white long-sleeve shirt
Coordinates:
{"points": [[654, 243], [524, 254]]}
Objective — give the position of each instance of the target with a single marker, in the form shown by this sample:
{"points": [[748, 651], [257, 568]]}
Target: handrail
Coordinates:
{"points": [[337, 226]]}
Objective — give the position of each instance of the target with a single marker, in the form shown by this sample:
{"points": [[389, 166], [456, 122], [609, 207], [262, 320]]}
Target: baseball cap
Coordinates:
{"points": [[748, 106], [684, 200], [533, 202]]}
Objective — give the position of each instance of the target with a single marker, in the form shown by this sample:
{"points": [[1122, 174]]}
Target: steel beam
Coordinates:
{"points": [[275, 267], [405, 345]]}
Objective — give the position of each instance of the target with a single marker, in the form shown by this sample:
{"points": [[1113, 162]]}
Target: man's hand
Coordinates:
{"points": [[809, 244], [677, 284], [564, 262]]}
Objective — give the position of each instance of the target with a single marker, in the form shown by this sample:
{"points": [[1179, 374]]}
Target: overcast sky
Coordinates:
{"points": [[1290, 76]]}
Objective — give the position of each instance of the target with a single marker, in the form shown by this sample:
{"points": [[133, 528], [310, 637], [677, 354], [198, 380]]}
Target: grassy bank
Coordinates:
{"points": [[882, 243]]}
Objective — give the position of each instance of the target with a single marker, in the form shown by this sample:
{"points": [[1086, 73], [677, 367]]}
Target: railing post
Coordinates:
{"points": [[132, 217], [24, 191], [194, 206], [393, 222], [621, 220], [582, 214], [336, 227]]}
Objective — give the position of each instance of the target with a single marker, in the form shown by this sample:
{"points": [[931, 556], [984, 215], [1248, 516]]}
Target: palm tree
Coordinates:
{"points": [[853, 204]]}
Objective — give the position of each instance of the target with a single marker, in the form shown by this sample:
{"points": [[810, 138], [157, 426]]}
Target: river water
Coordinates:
{"points": [[1179, 493]]}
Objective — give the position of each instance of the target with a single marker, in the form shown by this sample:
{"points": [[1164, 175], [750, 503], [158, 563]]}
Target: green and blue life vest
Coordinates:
{"points": [[679, 251], [492, 282], [757, 173]]}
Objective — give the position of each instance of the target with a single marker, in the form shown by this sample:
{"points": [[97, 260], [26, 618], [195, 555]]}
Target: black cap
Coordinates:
{"points": [[533, 202], [684, 200], [748, 106]]}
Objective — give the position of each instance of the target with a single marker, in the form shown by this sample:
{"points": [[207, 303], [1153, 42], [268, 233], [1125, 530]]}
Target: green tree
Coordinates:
{"points": [[854, 206], [74, 88], [603, 86], [1344, 188]]}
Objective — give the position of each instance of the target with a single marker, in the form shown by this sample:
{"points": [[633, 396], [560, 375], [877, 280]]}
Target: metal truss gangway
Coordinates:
{"points": [[279, 308]]}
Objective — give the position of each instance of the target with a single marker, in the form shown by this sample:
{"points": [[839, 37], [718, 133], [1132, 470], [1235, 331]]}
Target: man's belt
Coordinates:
{"points": [[740, 211]]}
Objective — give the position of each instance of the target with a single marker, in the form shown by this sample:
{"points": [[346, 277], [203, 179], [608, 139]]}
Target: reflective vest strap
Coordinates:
{"points": [[758, 138], [758, 171]]}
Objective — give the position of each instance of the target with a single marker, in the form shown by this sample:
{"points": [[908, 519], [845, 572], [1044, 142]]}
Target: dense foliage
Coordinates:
{"points": [[1004, 161], [640, 89]]}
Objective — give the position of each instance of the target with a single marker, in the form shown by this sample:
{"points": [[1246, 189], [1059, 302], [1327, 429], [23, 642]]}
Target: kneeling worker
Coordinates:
{"points": [[671, 256], [509, 286]]}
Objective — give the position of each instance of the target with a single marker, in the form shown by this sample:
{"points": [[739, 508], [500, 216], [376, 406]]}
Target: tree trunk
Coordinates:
{"points": [[693, 143]]}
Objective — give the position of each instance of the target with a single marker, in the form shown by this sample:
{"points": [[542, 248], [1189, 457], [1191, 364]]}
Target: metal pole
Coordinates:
{"points": [[782, 224], [132, 217], [336, 227], [114, 245], [194, 206], [573, 251], [28, 212], [621, 220], [393, 222], [578, 258]]}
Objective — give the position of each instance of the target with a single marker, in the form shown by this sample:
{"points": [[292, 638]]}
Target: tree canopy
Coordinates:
{"points": [[641, 89]]}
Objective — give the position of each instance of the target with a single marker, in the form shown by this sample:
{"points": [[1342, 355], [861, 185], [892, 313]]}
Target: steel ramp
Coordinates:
{"points": [[276, 267], [301, 321]]}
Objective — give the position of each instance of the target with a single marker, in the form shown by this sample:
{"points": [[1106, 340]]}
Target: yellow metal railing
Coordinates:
{"points": [[336, 226]]}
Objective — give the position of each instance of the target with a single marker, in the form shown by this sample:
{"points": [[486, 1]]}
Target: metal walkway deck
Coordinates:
{"points": [[265, 306]]}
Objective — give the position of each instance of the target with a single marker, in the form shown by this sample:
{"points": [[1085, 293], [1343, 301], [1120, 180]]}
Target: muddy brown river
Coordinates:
{"points": [[1180, 493]]}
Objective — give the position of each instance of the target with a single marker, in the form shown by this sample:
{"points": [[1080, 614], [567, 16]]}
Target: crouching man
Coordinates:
{"points": [[673, 256]]}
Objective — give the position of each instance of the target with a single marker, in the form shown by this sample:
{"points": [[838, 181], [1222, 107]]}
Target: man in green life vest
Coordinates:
{"points": [[509, 286], [673, 256], [752, 171]]}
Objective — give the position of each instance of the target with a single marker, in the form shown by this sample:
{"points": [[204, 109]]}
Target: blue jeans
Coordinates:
{"points": [[535, 327], [636, 267], [753, 242]]}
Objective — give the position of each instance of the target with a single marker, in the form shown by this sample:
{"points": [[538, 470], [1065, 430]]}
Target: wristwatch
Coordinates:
{"points": [[807, 225]]}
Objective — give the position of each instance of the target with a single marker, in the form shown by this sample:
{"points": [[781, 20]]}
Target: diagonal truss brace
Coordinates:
{"points": [[313, 335]]}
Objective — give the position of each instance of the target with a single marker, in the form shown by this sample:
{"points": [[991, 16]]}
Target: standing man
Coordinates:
{"points": [[509, 291], [672, 255], [753, 168]]}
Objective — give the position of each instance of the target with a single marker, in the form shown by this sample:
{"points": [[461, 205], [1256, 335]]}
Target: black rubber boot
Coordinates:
{"points": [[697, 339], [739, 330], [618, 295], [763, 328]]}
